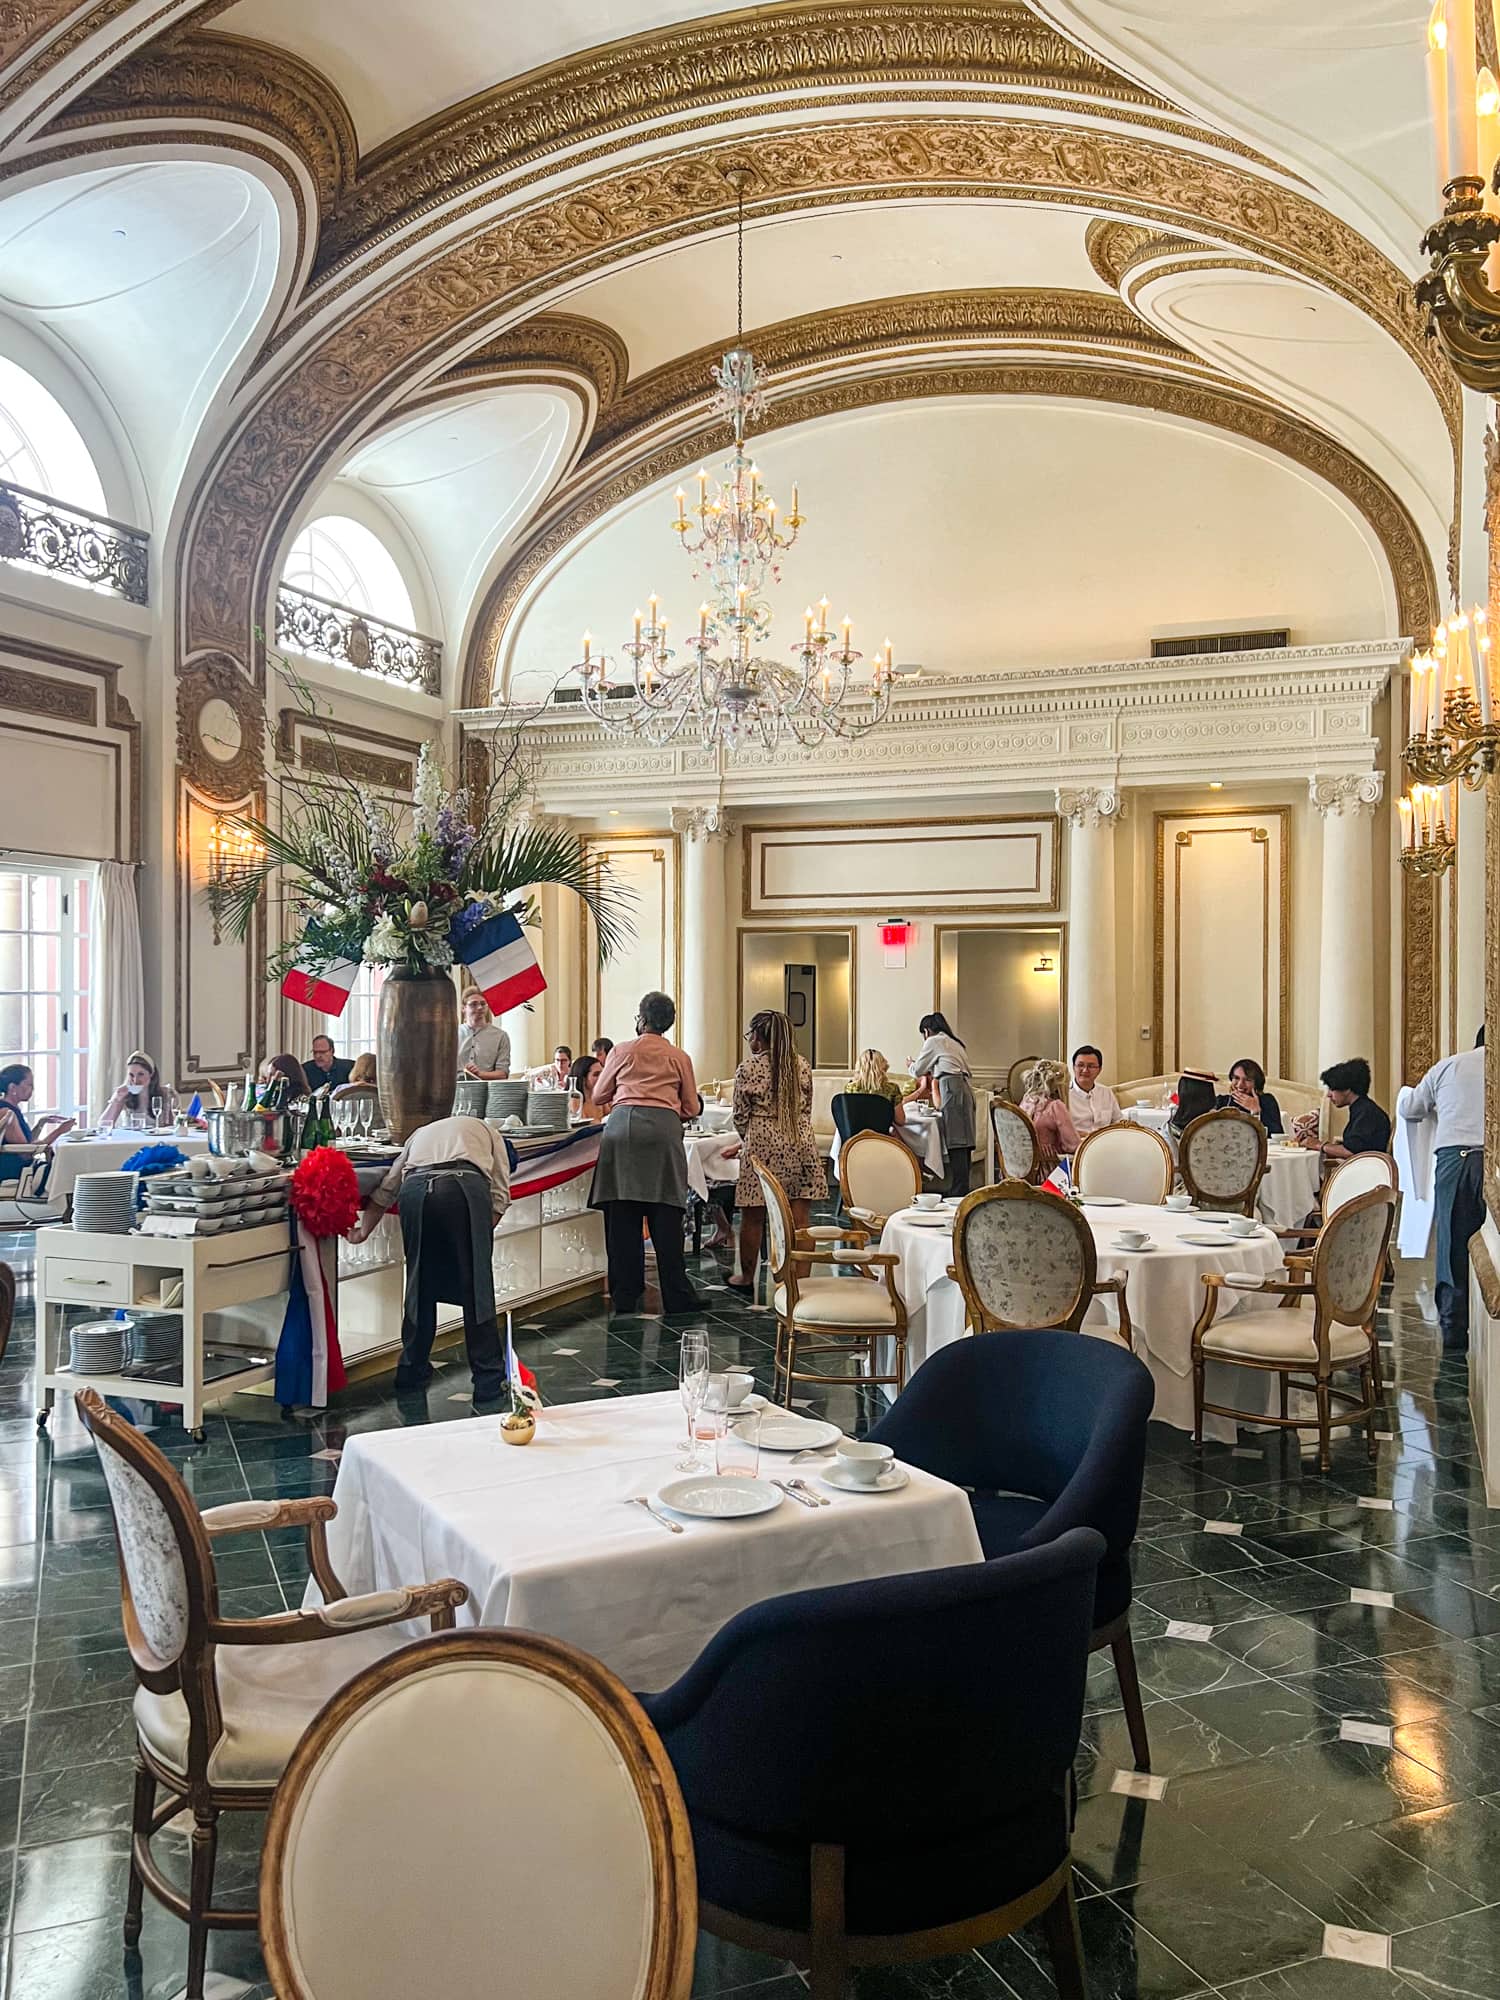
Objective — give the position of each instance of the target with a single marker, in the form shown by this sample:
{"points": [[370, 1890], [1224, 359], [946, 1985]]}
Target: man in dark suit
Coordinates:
{"points": [[324, 1067]]}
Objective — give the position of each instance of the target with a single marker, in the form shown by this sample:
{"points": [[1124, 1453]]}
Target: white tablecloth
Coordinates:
{"points": [[1151, 1116], [543, 1539], [1290, 1187], [922, 1133], [72, 1157], [712, 1159], [1164, 1292]]}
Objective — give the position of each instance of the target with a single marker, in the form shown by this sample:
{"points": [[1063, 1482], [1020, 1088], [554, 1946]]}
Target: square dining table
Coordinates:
{"points": [[544, 1539]]}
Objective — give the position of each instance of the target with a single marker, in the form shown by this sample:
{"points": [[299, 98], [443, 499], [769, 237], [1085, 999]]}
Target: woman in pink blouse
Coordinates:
{"points": [[648, 1091], [1047, 1107]]}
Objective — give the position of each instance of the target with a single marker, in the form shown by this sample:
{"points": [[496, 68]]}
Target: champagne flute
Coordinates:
{"points": [[367, 1115], [692, 1383]]}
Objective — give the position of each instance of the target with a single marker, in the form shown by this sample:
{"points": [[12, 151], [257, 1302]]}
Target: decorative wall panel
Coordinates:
{"points": [[646, 866], [902, 867], [72, 748]]}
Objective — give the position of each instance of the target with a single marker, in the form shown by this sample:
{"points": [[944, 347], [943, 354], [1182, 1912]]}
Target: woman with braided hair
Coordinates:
{"points": [[773, 1092]]}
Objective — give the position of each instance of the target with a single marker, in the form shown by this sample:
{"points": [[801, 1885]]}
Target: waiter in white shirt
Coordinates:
{"points": [[1091, 1104], [1453, 1090], [452, 1182], [483, 1045]]}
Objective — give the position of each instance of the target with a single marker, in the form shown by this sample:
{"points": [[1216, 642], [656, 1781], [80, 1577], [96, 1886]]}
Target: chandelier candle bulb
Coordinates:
{"points": [[1437, 87], [1487, 114], [1403, 807], [1463, 121]]}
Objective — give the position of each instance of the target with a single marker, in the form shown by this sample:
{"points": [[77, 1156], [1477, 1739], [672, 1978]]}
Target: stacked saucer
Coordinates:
{"points": [[506, 1099], [104, 1202], [547, 1110], [96, 1346]]}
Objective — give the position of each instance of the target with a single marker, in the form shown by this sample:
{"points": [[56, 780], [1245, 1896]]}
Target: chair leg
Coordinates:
{"points": [[1065, 1945], [1325, 1426], [1367, 1389], [200, 1896], [1122, 1651], [828, 1972], [791, 1364], [1283, 1383], [1376, 1372], [1197, 1399], [140, 1829]]}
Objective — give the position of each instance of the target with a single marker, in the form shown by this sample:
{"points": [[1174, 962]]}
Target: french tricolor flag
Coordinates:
{"points": [[327, 991], [502, 962]]}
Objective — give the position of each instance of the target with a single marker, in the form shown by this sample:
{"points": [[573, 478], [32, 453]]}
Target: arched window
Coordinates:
{"points": [[40, 446], [341, 559]]}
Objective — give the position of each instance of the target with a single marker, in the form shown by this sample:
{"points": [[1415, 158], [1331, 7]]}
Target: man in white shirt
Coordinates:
{"points": [[1091, 1104], [452, 1183], [483, 1045], [1453, 1092]]}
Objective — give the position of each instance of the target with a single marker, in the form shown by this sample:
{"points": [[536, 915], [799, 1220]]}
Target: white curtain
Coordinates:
{"points": [[117, 985]]}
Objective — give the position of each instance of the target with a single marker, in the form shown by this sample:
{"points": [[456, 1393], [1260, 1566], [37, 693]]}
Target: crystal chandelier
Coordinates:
{"points": [[724, 684]]}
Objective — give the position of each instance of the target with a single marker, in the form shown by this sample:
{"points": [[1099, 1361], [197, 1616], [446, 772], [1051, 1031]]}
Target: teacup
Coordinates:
{"points": [[729, 1390], [928, 1201], [1243, 1225], [862, 1461], [1178, 1202], [1131, 1239]]}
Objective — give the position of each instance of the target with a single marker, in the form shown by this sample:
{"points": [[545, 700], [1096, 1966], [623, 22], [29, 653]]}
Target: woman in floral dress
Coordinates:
{"points": [[773, 1091]]}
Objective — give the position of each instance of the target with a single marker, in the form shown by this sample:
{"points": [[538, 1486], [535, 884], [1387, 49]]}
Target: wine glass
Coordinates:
{"points": [[692, 1382], [367, 1115]]}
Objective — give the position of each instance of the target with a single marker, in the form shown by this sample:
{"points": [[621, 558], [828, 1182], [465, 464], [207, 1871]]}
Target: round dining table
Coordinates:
{"points": [[921, 1132], [1164, 1291], [1290, 1187]]}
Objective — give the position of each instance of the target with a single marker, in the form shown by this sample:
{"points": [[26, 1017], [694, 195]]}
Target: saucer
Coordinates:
{"points": [[930, 1218], [891, 1480], [1104, 1201], [1133, 1249]]}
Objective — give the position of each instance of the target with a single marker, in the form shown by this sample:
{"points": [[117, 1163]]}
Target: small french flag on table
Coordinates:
{"points": [[503, 964], [327, 991]]}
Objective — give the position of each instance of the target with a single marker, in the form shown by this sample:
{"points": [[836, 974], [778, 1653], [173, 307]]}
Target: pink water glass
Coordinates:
{"points": [[737, 1444]]}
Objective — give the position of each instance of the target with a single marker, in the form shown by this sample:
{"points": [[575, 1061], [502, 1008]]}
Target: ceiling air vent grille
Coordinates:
{"points": [[1218, 642]]}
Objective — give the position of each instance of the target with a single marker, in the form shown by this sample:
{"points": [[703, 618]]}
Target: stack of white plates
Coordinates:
{"points": [[505, 1099], [156, 1339], [104, 1202], [97, 1346], [547, 1110]]}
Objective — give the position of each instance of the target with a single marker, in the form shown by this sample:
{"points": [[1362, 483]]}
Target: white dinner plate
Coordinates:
{"points": [[1105, 1201], [1213, 1215], [929, 1218], [1220, 1242], [708, 1496], [891, 1480], [789, 1432]]}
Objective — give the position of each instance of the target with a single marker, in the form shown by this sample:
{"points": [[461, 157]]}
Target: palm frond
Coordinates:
{"points": [[531, 856]]}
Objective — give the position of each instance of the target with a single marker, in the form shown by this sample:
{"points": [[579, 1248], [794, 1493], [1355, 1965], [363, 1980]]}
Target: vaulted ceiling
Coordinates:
{"points": [[1083, 320]]}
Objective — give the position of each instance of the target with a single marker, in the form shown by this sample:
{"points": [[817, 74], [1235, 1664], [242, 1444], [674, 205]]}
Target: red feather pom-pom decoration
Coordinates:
{"points": [[324, 1192]]}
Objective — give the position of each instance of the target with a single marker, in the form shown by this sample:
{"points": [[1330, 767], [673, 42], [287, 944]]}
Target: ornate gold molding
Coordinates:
{"points": [[1112, 247], [283, 444], [328, 747], [933, 318], [551, 340], [1236, 411], [232, 80], [229, 778], [762, 52]]}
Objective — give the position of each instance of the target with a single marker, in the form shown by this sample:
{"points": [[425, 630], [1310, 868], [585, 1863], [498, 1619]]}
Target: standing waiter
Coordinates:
{"points": [[1454, 1090], [452, 1183]]}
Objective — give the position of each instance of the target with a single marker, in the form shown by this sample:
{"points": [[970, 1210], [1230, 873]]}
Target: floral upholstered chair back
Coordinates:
{"points": [[1222, 1158], [1349, 1261], [778, 1224], [1024, 1258], [1016, 1149], [163, 1571]]}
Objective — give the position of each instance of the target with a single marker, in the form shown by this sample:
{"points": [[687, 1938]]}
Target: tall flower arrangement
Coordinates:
{"points": [[363, 877]]}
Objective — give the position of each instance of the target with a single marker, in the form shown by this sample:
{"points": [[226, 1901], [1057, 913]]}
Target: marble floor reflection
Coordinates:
{"points": [[1329, 1826]]}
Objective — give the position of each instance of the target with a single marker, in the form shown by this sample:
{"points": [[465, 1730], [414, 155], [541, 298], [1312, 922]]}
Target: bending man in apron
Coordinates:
{"points": [[451, 1182]]}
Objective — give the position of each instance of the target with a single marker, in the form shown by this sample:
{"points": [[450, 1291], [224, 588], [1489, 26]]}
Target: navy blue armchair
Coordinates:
{"points": [[880, 1771], [1048, 1431]]}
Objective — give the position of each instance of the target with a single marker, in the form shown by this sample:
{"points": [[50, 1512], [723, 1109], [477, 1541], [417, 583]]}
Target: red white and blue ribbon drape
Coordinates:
{"points": [[573, 1153], [309, 1365]]}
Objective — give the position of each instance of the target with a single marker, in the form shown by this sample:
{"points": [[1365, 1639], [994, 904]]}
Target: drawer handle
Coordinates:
{"points": [[86, 1281]]}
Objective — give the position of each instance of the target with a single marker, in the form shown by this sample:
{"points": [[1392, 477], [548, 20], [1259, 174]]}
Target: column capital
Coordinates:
{"points": [[1358, 794], [1090, 806], [702, 822]]}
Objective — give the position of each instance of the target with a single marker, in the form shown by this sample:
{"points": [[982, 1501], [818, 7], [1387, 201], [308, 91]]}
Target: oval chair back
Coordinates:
{"points": [[1222, 1159], [1015, 1077], [1348, 1263], [860, 1111], [414, 1793], [1024, 1258], [877, 1175], [1124, 1160], [1018, 1155], [1357, 1176], [781, 1233]]}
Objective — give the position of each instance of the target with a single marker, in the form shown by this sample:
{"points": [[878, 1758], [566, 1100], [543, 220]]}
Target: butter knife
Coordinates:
{"points": [[793, 1494]]}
